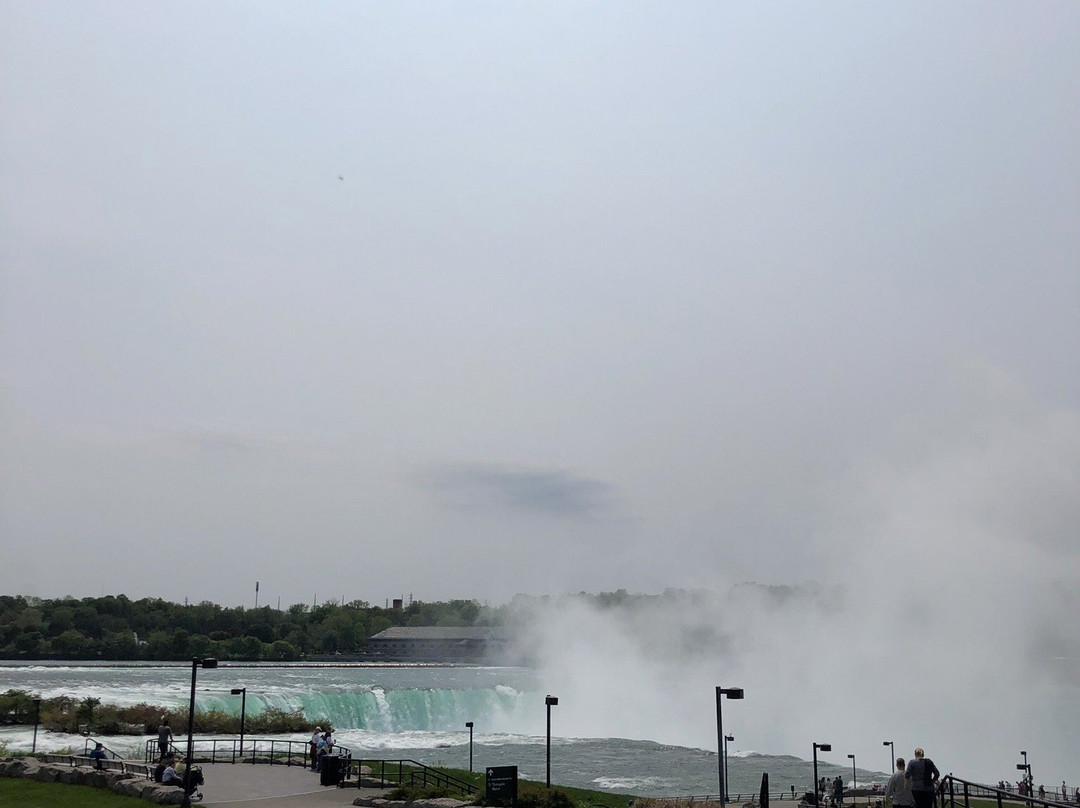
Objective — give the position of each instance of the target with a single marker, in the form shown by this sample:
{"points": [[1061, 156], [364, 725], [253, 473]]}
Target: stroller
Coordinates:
{"points": [[195, 779]]}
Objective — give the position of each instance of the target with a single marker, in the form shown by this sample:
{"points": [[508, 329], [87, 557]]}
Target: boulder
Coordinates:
{"points": [[70, 776], [130, 785], [442, 802], [160, 794], [100, 779], [24, 767], [45, 773]]}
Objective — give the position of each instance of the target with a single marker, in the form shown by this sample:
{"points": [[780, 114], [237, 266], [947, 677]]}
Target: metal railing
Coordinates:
{"points": [[740, 798], [114, 764], [954, 792], [255, 750], [405, 772], [92, 743]]}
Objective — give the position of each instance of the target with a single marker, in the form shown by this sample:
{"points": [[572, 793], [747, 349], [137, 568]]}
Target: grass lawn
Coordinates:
{"points": [[32, 794]]}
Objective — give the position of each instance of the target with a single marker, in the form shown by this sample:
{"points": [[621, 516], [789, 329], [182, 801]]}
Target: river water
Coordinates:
{"points": [[417, 712]]}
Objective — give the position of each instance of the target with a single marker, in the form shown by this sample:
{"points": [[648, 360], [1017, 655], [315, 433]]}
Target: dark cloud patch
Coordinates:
{"points": [[553, 493]]}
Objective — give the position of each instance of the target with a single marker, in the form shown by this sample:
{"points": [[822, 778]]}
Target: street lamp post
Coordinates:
{"points": [[550, 701], [727, 778], [731, 693], [37, 718], [242, 693], [824, 747], [196, 663], [469, 724], [892, 751], [854, 781]]}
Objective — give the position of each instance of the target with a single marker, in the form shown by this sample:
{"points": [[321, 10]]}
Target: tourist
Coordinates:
{"points": [[98, 754], [838, 790], [1042, 792], [322, 749], [316, 736], [898, 791], [923, 776], [164, 737], [170, 777]]}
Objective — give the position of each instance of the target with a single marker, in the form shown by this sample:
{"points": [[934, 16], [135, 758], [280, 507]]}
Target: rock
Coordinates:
{"points": [[45, 773], [100, 779], [69, 776], [442, 802], [164, 795]]}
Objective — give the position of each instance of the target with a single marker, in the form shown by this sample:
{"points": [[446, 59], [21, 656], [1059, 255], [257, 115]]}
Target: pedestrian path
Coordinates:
{"points": [[246, 786]]}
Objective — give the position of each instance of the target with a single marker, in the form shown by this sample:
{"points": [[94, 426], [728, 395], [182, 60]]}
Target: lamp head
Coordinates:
{"points": [[824, 747], [851, 756], [236, 691], [468, 724], [551, 701], [886, 743], [209, 662], [1021, 766], [729, 737], [732, 692]]}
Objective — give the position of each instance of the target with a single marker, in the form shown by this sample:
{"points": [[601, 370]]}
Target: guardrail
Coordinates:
{"points": [[115, 765], [405, 772], [92, 743], [954, 792], [255, 750]]}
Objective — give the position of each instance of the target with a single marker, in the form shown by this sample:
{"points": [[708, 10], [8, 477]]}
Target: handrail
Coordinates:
{"points": [[91, 743], [950, 785], [123, 766], [406, 771], [255, 750]]}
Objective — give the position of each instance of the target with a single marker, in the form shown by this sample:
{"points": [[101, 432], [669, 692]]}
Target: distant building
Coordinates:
{"points": [[438, 644]]}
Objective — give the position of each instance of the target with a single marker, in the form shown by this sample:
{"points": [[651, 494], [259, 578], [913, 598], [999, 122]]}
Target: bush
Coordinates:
{"points": [[414, 793]]}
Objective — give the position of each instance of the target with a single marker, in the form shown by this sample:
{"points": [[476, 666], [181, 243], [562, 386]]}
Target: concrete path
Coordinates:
{"points": [[243, 785]]}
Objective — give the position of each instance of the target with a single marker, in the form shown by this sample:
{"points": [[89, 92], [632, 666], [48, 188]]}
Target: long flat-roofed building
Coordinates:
{"points": [[438, 644]]}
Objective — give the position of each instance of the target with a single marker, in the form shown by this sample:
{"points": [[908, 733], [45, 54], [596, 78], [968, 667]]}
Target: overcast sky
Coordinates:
{"points": [[469, 299], [366, 300]]}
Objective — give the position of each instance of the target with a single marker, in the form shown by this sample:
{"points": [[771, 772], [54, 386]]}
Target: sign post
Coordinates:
{"points": [[502, 782]]}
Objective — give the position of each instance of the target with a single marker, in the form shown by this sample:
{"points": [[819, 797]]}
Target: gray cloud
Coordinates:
{"points": [[548, 492]]}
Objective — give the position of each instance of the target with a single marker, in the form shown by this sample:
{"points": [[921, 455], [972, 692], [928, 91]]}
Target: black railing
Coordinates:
{"points": [[955, 792], [91, 744], [255, 750], [740, 798], [114, 765], [405, 772]]}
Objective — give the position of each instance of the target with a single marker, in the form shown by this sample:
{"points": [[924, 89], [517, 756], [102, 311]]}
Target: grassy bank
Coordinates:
{"points": [[65, 714], [32, 794]]}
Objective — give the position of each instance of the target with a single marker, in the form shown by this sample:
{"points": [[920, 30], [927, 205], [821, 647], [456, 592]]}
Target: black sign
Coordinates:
{"points": [[502, 785]]}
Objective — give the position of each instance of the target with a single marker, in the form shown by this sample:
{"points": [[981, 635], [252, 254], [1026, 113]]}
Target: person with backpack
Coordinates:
{"points": [[923, 776]]}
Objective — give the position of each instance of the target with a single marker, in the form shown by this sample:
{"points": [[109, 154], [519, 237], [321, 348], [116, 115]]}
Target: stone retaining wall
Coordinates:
{"points": [[131, 785]]}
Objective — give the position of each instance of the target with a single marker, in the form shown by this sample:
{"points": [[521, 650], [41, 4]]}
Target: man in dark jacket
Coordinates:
{"points": [[923, 776]]}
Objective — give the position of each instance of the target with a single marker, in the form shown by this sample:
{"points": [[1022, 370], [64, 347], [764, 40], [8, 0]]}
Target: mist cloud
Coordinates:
{"points": [[536, 491]]}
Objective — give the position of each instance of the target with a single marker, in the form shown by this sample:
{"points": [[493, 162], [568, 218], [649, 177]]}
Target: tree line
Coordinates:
{"points": [[115, 627]]}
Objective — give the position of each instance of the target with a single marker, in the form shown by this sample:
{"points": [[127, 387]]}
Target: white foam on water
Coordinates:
{"points": [[632, 783]]}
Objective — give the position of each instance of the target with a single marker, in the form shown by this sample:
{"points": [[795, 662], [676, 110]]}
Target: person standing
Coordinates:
{"points": [[316, 736], [898, 791], [923, 775], [164, 737]]}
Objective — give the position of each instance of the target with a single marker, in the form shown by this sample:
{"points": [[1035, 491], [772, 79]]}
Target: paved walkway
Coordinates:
{"points": [[260, 786]]}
